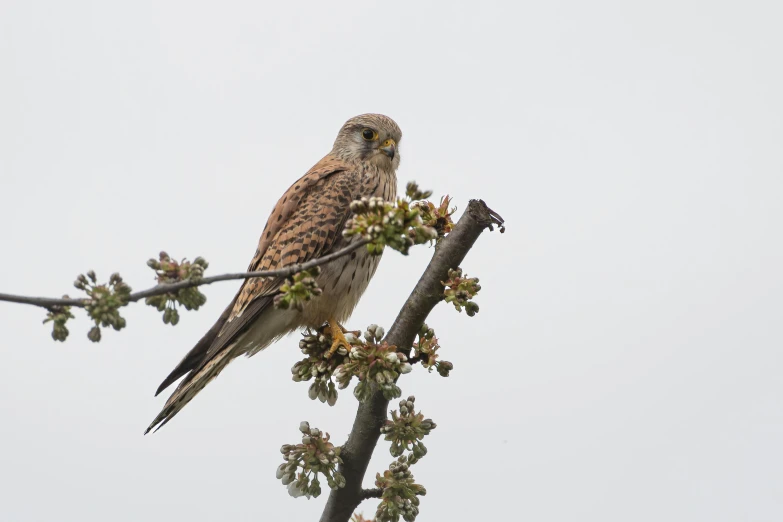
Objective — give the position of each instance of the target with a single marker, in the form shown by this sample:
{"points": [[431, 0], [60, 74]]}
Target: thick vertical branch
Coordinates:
{"points": [[371, 415]]}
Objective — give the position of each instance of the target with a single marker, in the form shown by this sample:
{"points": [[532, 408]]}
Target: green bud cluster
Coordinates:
{"points": [[439, 218], [425, 350], [400, 493], [460, 290], [103, 302], [298, 289], [59, 315], [405, 431], [384, 223], [316, 366], [413, 193], [168, 271], [374, 362], [314, 455]]}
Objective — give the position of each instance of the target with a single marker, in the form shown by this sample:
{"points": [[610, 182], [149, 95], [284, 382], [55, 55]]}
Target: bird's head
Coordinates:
{"points": [[371, 138]]}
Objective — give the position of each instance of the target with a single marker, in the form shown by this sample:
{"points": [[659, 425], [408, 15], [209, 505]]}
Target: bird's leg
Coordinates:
{"points": [[338, 335]]}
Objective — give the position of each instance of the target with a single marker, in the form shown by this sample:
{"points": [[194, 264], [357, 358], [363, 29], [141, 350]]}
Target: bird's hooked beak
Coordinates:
{"points": [[389, 148]]}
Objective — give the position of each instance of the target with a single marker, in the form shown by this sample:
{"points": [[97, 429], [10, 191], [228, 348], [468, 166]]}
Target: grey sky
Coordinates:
{"points": [[626, 361]]}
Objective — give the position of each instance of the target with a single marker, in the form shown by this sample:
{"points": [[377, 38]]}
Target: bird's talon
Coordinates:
{"points": [[337, 332], [339, 340]]}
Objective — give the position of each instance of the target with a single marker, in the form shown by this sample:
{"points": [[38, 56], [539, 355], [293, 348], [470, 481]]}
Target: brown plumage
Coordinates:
{"points": [[306, 223]]}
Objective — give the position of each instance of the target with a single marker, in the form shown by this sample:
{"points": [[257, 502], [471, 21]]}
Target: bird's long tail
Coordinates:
{"points": [[191, 385]]}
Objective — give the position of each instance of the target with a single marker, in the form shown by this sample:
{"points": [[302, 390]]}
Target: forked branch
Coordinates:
{"points": [[371, 415]]}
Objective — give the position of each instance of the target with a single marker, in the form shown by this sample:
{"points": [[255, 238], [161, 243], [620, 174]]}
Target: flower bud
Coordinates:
{"points": [[294, 490]]}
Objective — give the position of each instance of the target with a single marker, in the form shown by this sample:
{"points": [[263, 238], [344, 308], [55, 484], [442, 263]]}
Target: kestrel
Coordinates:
{"points": [[306, 224]]}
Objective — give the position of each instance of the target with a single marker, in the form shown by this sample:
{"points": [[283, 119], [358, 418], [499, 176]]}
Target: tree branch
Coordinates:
{"points": [[371, 415], [49, 302], [371, 493]]}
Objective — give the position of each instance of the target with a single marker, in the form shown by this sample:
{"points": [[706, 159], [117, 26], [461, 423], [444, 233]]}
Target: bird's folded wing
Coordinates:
{"points": [[306, 223]]}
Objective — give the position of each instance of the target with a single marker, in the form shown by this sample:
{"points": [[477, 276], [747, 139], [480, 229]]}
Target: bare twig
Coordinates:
{"points": [[49, 302], [371, 493], [371, 415]]}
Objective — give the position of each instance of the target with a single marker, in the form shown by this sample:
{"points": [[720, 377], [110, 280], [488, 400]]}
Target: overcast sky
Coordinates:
{"points": [[626, 363]]}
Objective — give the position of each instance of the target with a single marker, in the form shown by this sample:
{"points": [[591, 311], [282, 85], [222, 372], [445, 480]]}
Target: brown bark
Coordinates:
{"points": [[371, 415]]}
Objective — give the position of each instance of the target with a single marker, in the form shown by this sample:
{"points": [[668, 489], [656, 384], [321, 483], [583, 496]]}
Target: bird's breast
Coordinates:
{"points": [[343, 282]]}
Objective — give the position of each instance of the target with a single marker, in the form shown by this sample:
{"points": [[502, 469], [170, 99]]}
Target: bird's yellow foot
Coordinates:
{"points": [[337, 332]]}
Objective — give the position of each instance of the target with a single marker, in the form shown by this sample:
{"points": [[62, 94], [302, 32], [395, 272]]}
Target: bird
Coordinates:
{"points": [[306, 223]]}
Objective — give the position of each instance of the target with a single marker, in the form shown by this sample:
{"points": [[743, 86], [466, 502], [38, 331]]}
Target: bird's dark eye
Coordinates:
{"points": [[369, 135]]}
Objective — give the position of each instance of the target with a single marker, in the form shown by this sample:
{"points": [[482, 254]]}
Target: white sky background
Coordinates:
{"points": [[626, 361]]}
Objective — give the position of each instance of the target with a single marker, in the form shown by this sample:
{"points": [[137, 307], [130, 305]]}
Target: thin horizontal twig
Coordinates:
{"points": [[50, 302]]}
